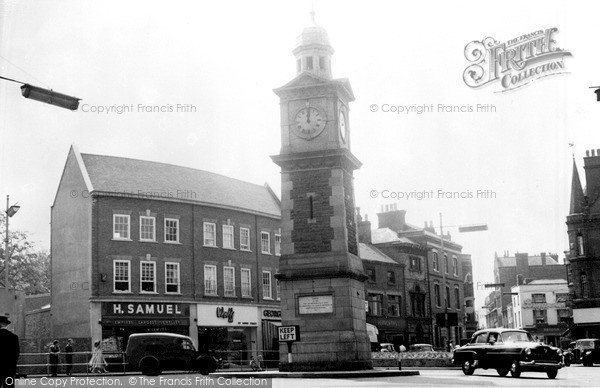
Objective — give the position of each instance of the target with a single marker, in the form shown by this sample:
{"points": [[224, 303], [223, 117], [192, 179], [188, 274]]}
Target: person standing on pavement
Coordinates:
{"points": [[69, 356], [54, 352], [9, 354]]}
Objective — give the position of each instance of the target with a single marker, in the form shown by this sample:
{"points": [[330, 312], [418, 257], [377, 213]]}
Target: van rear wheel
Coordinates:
{"points": [[150, 366]]}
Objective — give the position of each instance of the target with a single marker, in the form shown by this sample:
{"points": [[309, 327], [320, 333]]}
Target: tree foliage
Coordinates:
{"points": [[29, 267]]}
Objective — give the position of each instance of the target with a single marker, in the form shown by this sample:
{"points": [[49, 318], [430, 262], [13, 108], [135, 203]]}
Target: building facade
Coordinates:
{"points": [[140, 246], [541, 308], [583, 224]]}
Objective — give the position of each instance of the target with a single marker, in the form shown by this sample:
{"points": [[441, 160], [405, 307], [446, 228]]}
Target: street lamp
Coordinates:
{"points": [[10, 211], [46, 95]]}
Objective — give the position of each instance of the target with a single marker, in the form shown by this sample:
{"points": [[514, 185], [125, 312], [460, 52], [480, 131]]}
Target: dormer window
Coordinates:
{"points": [[309, 63]]}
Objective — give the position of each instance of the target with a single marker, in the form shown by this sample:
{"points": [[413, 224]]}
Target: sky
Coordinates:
{"points": [[222, 61]]}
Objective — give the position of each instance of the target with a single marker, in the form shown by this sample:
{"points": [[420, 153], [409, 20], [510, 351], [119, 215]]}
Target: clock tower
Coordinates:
{"points": [[320, 272]]}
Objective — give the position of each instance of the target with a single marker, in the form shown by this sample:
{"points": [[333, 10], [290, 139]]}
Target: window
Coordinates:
{"points": [[120, 227], [322, 63], [393, 305], [457, 297], [436, 292], [277, 245], [580, 250], [585, 291], [210, 280], [563, 315], [447, 301], [210, 232], [562, 297], [436, 262], [147, 229], [539, 316], [229, 281], [417, 302], [309, 63], [121, 276], [266, 285], [538, 298], [171, 230], [391, 277], [298, 66], [278, 289], [244, 239], [455, 266], [371, 275], [228, 236], [446, 263], [148, 276], [246, 284], [519, 316], [481, 338], [172, 282], [374, 304], [265, 242], [415, 263]]}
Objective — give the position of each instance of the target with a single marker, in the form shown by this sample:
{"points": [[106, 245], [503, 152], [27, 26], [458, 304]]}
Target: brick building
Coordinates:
{"points": [[516, 270], [435, 265], [583, 224], [141, 246]]}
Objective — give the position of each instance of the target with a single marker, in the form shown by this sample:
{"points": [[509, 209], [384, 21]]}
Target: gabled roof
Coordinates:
{"points": [[370, 253], [145, 179], [306, 79]]}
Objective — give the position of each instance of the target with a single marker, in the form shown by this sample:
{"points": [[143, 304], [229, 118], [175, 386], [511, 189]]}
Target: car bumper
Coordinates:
{"points": [[540, 365]]}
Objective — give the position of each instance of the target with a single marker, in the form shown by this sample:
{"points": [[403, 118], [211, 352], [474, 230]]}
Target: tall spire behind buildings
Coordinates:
{"points": [[577, 197]]}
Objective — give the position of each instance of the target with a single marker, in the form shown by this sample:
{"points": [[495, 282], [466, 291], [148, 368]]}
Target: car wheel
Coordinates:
{"points": [[567, 361], [467, 367], [515, 369], [552, 373], [502, 371], [150, 366], [206, 365]]}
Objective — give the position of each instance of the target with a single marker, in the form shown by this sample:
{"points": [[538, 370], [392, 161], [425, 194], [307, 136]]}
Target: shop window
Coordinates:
{"points": [[210, 280], [229, 281], [210, 234], [121, 227], [148, 276], [121, 276], [277, 245], [393, 305], [244, 239], [246, 282], [147, 228], [228, 236], [374, 304], [266, 285], [455, 266], [172, 279], [171, 230], [265, 242]]}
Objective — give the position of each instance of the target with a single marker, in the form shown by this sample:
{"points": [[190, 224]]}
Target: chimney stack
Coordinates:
{"points": [[392, 219]]}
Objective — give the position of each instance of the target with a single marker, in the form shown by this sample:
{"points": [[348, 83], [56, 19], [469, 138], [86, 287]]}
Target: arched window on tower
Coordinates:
{"points": [[580, 249], [585, 288]]}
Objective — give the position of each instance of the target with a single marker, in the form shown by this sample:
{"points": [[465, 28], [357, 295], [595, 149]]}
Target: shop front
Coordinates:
{"points": [[391, 330], [270, 321], [229, 331], [121, 319]]}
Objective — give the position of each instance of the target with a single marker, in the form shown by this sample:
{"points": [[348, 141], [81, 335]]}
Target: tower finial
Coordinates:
{"points": [[312, 16]]}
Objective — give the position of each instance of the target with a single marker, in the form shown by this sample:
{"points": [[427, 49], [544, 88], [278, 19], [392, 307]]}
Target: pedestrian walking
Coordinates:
{"points": [[69, 356], [9, 354], [97, 364], [53, 356]]}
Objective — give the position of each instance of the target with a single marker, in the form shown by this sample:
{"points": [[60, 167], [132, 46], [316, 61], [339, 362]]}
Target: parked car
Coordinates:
{"points": [[507, 350], [387, 347], [153, 353], [421, 348], [587, 351]]}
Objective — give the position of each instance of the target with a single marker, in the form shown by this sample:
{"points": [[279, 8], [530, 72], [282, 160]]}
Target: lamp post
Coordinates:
{"points": [[461, 229], [46, 95], [10, 211]]}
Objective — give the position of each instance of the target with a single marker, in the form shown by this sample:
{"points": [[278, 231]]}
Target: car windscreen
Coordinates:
{"points": [[516, 336], [585, 344]]}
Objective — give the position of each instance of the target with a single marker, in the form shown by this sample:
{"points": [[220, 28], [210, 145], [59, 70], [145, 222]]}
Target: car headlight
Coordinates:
{"points": [[588, 352], [559, 352], [527, 351]]}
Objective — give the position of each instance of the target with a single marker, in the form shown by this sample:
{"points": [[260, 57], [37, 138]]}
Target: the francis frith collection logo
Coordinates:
{"points": [[515, 63]]}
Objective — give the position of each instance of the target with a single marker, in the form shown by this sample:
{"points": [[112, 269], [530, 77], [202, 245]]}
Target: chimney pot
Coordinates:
{"points": [[598, 151], [593, 152], [587, 153]]}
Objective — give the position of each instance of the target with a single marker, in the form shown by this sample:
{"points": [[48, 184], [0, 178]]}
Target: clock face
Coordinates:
{"points": [[308, 123], [343, 126]]}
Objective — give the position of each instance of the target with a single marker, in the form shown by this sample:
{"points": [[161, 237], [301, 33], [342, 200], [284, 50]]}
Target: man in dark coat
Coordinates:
{"points": [[54, 352], [69, 356], [9, 354]]}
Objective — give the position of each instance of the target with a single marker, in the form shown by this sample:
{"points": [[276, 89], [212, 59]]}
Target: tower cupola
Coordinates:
{"points": [[313, 51]]}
